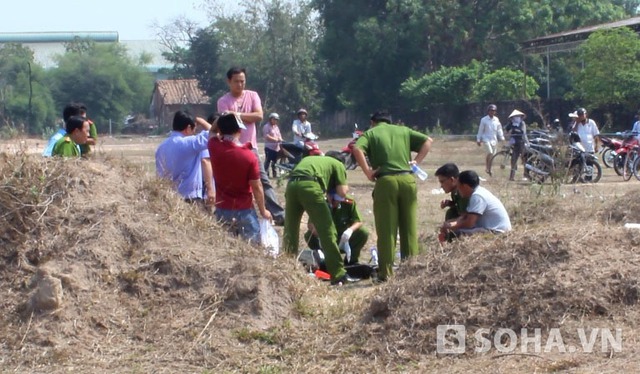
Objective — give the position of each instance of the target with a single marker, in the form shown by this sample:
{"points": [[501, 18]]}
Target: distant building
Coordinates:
{"points": [[172, 95], [46, 45]]}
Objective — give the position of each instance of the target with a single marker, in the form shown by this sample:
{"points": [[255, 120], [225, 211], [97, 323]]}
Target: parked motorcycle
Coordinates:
{"points": [[292, 153], [608, 151], [628, 142], [346, 154], [574, 164]]}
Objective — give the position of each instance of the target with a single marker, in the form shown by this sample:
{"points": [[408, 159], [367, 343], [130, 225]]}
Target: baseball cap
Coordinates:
{"points": [[274, 116]]}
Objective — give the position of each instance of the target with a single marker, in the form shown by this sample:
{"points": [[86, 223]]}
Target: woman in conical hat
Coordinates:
{"points": [[517, 132]]}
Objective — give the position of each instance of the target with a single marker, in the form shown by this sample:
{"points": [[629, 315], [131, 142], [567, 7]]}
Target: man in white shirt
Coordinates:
{"points": [[588, 131], [484, 213], [489, 131], [300, 127]]}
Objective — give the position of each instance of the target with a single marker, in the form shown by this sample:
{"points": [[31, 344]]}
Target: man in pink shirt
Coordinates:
{"points": [[248, 106]]}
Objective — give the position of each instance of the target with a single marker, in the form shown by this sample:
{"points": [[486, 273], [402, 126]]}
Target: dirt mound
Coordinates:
{"points": [[624, 209], [525, 279], [134, 264]]}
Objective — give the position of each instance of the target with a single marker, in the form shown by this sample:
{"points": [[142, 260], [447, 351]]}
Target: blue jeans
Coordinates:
{"points": [[243, 222]]}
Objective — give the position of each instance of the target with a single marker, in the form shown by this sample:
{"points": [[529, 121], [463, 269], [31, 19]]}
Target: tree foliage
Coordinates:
{"points": [[611, 74], [388, 41], [104, 78], [25, 99]]}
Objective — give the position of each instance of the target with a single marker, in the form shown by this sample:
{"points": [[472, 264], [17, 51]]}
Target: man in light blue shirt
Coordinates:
{"points": [[69, 111], [179, 157]]}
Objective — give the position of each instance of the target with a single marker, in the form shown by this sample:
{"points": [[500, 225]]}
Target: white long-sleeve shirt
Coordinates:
{"points": [[490, 130], [302, 128]]}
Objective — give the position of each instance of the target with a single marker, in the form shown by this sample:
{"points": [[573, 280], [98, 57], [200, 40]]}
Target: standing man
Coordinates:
{"points": [[179, 157], [247, 105], [395, 198], [77, 132], [272, 140], [236, 172], [588, 131], [93, 133], [306, 192], [300, 127], [489, 131], [485, 212]]}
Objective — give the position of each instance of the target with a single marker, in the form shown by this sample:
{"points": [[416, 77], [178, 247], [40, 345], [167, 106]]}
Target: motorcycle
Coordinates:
{"points": [[543, 161], [292, 153], [628, 142], [608, 151], [346, 154]]}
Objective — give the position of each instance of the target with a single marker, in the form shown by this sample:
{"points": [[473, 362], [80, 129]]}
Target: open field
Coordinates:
{"points": [[152, 285]]}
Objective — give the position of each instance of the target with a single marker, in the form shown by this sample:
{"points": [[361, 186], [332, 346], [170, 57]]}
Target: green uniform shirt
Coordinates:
{"points": [[66, 147], [93, 133], [389, 146], [345, 215], [328, 171], [459, 203]]}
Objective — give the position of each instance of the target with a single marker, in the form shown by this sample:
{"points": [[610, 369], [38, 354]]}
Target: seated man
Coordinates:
{"points": [[346, 218], [447, 176], [77, 132], [236, 172], [485, 212]]}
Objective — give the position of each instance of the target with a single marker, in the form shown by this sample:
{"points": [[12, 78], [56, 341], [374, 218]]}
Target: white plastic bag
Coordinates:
{"points": [[269, 238]]}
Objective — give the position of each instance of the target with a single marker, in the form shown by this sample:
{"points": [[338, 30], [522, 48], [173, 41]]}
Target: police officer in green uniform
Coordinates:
{"points": [[306, 192], [395, 199], [348, 222], [77, 133], [447, 175]]}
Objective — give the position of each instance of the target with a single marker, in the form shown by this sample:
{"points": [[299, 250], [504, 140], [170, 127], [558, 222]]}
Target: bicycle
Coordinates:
{"points": [[500, 164], [633, 159]]}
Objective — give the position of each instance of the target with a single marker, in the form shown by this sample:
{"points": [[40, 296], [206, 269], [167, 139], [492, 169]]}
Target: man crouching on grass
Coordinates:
{"points": [[485, 212]]}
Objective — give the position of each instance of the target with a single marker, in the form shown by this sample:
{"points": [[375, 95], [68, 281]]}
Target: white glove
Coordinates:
{"points": [[346, 235]]}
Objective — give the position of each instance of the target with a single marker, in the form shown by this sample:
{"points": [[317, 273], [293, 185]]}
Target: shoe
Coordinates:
{"points": [[378, 280], [344, 280]]}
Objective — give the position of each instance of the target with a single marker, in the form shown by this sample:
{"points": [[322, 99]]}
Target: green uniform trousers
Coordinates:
{"points": [[308, 196], [395, 204], [357, 241]]}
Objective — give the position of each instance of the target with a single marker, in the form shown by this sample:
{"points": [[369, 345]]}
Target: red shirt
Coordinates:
{"points": [[233, 167]]}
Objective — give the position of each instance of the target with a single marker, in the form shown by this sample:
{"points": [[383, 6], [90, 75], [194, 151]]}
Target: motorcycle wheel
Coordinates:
{"points": [[636, 167], [539, 164], [618, 163], [349, 162], [608, 157], [596, 172], [500, 164], [627, 170]]}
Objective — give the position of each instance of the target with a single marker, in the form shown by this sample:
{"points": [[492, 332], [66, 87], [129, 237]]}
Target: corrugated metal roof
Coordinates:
{"points": [[181, 91], [573, 38], [57, 36]]}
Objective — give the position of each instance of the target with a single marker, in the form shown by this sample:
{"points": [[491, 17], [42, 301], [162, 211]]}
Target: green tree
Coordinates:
{"points": [[505, 84], [104, 78], [611, 74], [25, 100]]}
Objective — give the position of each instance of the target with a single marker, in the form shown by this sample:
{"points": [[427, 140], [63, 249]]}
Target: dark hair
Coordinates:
{"points": [[182, 120], [228, 124], [235, 70], [381, 116], [70, 110], [83, 108], [73, 123], [470, 178], [213, 117], [449, 170]]}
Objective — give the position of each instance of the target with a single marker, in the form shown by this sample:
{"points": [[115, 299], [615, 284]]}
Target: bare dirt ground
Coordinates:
{"points": [[104, 269]]}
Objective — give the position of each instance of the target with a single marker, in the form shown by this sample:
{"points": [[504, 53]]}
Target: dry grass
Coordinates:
{"points": [[154, 285]]}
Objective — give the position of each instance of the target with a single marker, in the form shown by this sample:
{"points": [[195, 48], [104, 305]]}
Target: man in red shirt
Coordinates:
{"points": [[236, 172]]}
